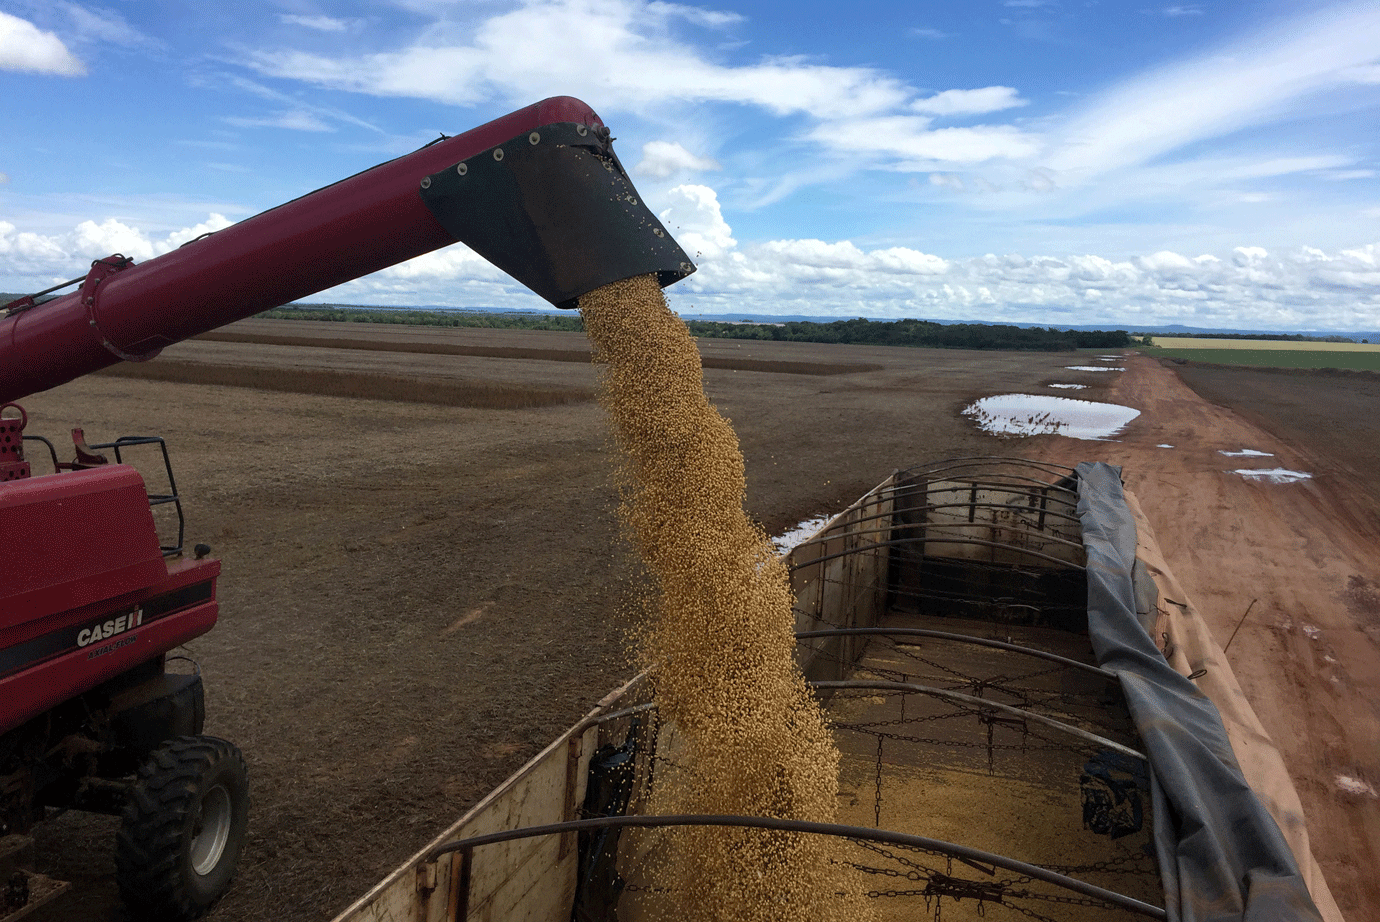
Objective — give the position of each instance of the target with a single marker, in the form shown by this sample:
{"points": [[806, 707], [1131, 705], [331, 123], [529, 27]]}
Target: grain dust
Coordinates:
{"points": [[748, 738]]}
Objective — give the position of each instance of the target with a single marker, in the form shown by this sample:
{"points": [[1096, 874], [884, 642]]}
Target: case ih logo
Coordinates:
{"points": [[110, 627]]}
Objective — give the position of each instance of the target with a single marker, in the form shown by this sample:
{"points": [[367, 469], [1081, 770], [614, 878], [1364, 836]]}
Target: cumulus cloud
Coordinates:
{"points": [[44, 256], [1248, 286], [697, 222], [25, 47], [969, 102], [664, 159]]}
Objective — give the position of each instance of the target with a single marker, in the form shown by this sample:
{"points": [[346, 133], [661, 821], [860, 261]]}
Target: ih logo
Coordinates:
{"points": [[110, 627]]}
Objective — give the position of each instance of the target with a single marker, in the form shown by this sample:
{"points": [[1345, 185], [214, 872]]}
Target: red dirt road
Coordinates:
{"points": [[1304, 563]]}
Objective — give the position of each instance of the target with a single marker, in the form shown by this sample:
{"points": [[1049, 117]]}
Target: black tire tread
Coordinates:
{"points": [[148, 846]]}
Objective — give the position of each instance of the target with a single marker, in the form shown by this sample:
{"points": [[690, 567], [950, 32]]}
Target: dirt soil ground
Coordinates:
{"points": [[1292, 570], [417, 597]]}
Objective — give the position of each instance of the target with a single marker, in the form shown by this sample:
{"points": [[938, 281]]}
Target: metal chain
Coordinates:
{"points": [[877, 805]]}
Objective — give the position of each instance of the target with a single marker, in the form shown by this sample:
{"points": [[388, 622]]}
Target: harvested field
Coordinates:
{"points": [[416, 597], [458, 393], [1261, 345], [425, 347], [1317, 408]]}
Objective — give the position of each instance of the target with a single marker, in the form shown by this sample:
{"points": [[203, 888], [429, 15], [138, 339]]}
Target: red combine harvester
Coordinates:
{"points": [[92, 604]]}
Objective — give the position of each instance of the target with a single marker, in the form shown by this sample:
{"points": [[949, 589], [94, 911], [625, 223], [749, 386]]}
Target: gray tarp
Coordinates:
{"points": [[1221, 855]]}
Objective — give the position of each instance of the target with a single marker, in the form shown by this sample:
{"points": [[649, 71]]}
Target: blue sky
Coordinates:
{"points": [[1050, 161]]}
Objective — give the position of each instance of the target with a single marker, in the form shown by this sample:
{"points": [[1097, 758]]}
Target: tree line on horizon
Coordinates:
{"points": [[859, 331]]}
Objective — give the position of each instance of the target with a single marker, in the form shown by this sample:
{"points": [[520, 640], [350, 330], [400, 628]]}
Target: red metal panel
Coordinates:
{"points": [[359, 225], [29, 693], [70, 540]]}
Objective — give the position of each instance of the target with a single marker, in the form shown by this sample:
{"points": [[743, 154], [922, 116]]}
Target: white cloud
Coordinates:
{"points": [[1248, 286], [65, 255], [308, 111], [908, 139], [663, 159], [1210, 96], [641, 67], [295, 121], [947, 181], [1174, 11], [695, 219], [94, 25], [928, 33], [4, 178], [969, 102], [319, 23], [714, 19], [25, 47]]}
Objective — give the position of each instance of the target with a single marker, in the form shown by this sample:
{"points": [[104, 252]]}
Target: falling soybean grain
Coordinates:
{"points": [[749, 737]]}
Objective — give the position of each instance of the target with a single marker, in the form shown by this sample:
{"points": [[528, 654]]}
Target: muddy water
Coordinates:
{"points": [[748, 737]]}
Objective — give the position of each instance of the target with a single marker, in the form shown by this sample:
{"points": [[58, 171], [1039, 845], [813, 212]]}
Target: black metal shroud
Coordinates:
{"points": [[555, 209]]}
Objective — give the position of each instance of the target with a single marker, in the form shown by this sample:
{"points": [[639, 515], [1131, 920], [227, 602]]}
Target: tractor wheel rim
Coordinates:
{"points": [[213, 831]]}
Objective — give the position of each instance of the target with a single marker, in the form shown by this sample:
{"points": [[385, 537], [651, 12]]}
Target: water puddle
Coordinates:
{"points": [[1029, 414], [1164, 445], [1091, 368], [1354, 786], [1070, 387], [800, 533], [1245, 453], [1274, 475]]}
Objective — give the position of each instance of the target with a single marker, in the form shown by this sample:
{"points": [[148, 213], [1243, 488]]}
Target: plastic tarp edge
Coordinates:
{"points": [[1221, 853]]}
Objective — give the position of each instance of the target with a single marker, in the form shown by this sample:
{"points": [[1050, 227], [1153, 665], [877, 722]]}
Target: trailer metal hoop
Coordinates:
{"points": [[863, 833], [959, 638], [982, 704]]}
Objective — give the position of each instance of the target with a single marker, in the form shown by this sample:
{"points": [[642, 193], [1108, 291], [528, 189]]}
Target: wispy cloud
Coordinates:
{"points": [[96, 25], [319, 23], [292, 120], [25, 47], [969, 102], [928, 33], [1244, 84], [911, 145], [714, 19], [320, 114], [641, 66]]}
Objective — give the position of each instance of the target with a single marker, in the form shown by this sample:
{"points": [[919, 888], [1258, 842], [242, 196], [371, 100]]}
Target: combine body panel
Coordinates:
{"points": [[90, 594]]}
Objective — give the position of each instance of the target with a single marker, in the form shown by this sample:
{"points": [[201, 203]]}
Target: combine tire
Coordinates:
{"points": [[183, 829]]}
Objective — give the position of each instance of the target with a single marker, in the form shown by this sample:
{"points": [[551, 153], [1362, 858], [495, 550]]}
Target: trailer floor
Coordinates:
{"points": [[921, 766]]}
